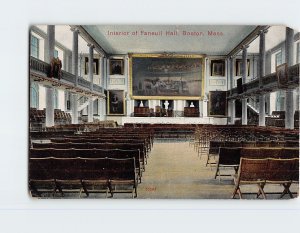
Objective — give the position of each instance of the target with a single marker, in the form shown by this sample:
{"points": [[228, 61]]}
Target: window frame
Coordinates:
{"points": [[35, 46]]}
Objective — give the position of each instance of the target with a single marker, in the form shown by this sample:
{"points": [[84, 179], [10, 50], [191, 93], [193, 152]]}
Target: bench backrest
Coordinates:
{"points": [[229, 156]]}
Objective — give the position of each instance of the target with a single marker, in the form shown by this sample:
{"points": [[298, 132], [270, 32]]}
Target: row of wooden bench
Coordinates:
{"points": [[100, 175], [261, 172], [230, 157], [215, 145], [140, 161], [107, 138]]}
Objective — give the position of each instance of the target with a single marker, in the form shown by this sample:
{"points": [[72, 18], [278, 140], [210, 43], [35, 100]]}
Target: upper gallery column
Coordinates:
{"points": [[74, 103], [231, 102], [49, 89], [289, 96], [244, 77], [91, 65], [262, 62], [75, 54], [91, 77]]}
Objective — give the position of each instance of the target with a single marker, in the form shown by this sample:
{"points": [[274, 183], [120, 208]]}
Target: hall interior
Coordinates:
{"points": [[158, 110]]}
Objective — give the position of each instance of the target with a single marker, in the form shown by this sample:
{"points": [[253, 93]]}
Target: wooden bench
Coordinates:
{"points": [[86, 174], [91, 153], [265, 171]]}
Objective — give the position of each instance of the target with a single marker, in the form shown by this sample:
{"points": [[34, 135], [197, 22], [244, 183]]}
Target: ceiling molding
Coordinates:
{"points": [[251, 37], [91, 40]]}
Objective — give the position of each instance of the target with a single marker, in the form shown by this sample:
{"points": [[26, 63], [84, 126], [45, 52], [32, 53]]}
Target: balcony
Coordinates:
{"points": [[42, 69], [269, 84]]}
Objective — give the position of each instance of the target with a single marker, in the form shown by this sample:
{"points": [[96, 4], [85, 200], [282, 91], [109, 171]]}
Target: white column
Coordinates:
{"points": [[91, 110], [244, 77], [262, 62], [74, 108], [49, 106], [49, 90], [91, 79], [231, 103], [289, 96], [272, 102], [205, 108], [75, 54], [91, 65]]}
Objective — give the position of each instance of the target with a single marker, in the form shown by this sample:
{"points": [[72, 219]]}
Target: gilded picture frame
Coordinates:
{"points": [[116, 103], [217, 104], [199, 59]]}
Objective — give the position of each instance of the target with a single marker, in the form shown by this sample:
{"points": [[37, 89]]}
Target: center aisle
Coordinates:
{"points": [[175, 171]]}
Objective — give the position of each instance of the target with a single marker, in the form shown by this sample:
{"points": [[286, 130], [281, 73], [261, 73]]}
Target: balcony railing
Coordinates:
{"points": [[269, 83], [44, 69]]}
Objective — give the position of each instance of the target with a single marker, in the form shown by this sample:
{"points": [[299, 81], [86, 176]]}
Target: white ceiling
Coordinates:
{"points": [[274, 36], [205, 44], [210, 45]]}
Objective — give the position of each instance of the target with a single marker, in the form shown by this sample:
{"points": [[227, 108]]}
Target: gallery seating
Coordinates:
{"points": [[37, 118]]}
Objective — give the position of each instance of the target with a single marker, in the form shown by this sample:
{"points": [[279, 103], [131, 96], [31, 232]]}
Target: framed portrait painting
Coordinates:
{"points": [[282, 76], [116, 66], [217, 68], [115, 102], [217, 103]]}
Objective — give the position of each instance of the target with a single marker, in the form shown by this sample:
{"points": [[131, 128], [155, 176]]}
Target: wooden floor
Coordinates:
{"points": [[175, 170]]}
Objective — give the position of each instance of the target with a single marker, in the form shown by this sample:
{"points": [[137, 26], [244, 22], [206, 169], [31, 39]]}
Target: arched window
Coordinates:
{"points": [[34, 95]]}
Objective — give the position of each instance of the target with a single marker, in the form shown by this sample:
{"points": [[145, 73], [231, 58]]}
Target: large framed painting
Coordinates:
{"points": [[115, 102], [166, 76], [282, 76], [217, 103]]}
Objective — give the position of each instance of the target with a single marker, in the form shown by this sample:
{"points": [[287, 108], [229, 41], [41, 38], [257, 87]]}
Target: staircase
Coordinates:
{"points": [[252, 111], [83, 102]]}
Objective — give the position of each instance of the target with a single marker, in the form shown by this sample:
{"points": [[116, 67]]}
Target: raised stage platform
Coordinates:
{"points": [[175, 120]]}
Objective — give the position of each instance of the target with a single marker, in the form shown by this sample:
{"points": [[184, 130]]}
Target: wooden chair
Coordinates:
{"points": [[271, 152], [94, 175], [263, 143], [277, 144], [233, 144], [253, 153], [122, 176], [228, 158], [289, 153], [251, 171], [41, 177], [292, 144], [68, 175], [213, 151], [248, 143]]}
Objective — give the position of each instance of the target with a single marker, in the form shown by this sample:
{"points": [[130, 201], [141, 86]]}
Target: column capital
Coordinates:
{"points": [[263, 31], [74, 29], [244, 47], [91, 45]]}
